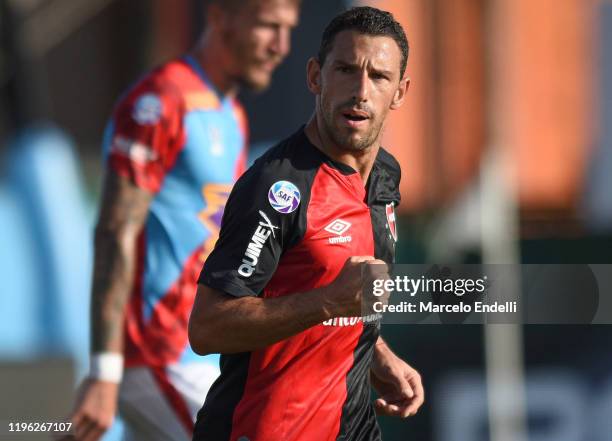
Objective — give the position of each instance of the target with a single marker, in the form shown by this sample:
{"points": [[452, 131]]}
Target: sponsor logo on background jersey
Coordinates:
{"points": [[351, 321], [390, 211], [147, 109], [284, 197], [215, 197], [338, 227], [258, 240], [136, 151]]}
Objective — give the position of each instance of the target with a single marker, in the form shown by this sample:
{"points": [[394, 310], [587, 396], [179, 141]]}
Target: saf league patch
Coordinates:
{"points": [[284, 197], [147, 110], [390, 212]]}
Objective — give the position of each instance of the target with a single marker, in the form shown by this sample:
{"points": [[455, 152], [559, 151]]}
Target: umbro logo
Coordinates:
{"points": [[338, 227]]}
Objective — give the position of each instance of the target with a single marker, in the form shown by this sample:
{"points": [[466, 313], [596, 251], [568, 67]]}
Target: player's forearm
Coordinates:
{"points": [[123, 211], [114, 266], [249, 323], [381, 344], [381, 350]]}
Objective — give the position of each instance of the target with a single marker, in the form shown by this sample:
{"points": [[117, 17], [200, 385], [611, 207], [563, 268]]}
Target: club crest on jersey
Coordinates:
{"points": [[390, 211], [147, 109], [284, 197]]}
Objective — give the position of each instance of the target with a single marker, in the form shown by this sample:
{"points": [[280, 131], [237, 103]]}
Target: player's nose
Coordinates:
{"points": [[361, 87], [281, 44]]}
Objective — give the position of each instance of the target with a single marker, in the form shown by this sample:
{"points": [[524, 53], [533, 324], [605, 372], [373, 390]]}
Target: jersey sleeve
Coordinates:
{"points": [[261, 220], [146, 134]]}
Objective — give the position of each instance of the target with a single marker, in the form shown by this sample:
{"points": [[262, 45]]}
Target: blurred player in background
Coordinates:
{"points": [[281, 295], [173, 149]]}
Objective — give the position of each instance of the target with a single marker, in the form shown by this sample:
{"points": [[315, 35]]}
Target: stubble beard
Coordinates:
{"points": [[241, 74], [246, 82], [345, 139]]}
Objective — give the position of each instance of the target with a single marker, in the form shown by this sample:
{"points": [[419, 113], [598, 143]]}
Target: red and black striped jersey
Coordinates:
{"points": [[290, 223]]}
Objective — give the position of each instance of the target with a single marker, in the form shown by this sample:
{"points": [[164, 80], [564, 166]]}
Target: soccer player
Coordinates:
{"points": [[173, 149], [280, 296]]}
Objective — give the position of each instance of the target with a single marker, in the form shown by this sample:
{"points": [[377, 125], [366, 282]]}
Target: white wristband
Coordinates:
{"points": [[106, 366]]}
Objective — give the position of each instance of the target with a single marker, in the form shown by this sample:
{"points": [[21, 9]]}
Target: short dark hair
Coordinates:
{"points": [[230, 5], [369, 21], [234, 5]]}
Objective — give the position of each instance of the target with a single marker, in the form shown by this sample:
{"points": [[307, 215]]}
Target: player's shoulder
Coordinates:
{"points": [[293, 159], [389, 174], [388, 163], [156, 95], [293, 156], [173, 80]]}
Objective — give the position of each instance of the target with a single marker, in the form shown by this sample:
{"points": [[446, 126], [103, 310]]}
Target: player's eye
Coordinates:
{"points": [[378, 76], [268, 25]]}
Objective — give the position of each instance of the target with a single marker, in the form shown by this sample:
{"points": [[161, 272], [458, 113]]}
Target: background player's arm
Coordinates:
{"points": [[122, 216], [123, 213], [221, 323]]}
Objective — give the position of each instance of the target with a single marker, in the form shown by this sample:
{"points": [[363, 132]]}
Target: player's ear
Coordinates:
{"points": [[400, 93], [313, 75]]}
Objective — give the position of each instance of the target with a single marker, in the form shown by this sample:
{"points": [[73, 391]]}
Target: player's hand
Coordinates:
{"points": [[398, 384], [346, 293], [95, 409]]}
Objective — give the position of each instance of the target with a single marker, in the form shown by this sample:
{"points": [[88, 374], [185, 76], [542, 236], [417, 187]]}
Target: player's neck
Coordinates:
{"points": [[362, 161], [210, 59]]}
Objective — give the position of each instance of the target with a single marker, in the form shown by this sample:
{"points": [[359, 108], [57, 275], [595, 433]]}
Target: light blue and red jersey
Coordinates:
{"points": [[175, 136]]}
